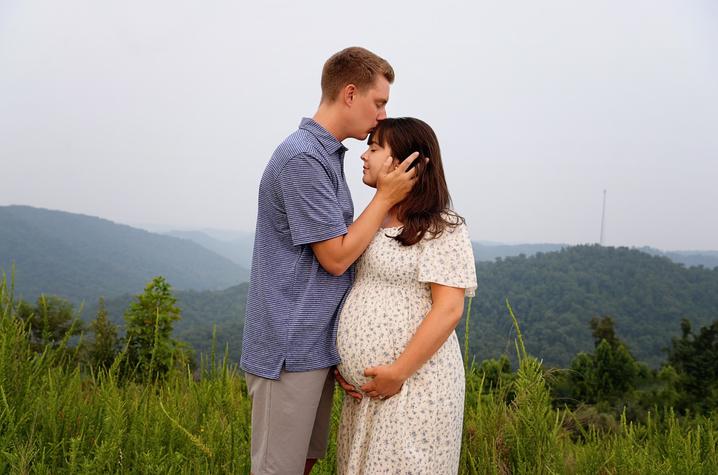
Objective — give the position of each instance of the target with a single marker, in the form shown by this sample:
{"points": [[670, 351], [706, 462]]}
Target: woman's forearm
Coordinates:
{"points": [[436, 327]]}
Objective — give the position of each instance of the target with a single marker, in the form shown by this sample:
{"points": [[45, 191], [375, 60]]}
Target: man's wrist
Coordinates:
{"points": [[383, 200]]}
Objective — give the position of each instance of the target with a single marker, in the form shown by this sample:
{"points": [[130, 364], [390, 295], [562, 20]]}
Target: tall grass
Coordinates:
{"points": [[60, 419]]}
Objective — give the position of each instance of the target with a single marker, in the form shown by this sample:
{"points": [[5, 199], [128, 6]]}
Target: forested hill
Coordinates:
{"points": [[83, 257], [489, 251], [555, 295]]}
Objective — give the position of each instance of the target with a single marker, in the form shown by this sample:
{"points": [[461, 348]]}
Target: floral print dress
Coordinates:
{"points": [[417, 431]]}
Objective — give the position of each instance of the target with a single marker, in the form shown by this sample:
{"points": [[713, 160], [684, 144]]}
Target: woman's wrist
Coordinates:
{"points": [[402, 371]]}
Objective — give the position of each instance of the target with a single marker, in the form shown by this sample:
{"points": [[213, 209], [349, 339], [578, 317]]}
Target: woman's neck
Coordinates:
{"points": [[391, 220]]}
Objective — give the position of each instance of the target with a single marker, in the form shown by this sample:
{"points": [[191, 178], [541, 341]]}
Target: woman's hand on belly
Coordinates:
{"points": [[387, 381]]}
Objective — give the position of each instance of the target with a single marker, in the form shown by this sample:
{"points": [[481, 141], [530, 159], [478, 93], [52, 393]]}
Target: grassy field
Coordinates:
{"points": [[57, 418]]}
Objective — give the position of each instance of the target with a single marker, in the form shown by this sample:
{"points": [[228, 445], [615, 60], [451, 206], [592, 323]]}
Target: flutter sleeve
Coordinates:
{"points": [[449, 260]]}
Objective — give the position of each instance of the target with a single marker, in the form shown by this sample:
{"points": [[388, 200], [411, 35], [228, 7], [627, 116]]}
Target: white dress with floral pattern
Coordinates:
{"points": [[417, 431]]}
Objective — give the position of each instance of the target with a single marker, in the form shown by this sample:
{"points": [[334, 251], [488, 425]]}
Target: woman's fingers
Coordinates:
{"points": [[368, 387]]}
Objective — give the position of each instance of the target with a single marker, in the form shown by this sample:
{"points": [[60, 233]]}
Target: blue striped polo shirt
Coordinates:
{"points": [[293, 303]]}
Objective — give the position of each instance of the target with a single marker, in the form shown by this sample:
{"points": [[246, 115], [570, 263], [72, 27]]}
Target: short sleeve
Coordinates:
{"points": [[310, 200], [449, 260]]}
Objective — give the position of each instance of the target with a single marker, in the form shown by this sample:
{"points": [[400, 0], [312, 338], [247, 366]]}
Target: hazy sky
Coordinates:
{"points": [[164, 113]]}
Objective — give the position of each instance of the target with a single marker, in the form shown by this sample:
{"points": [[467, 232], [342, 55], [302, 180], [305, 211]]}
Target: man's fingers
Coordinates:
{"points": [[346, 386], [404, 166], [386, 168], [343, 383], [340, 379], [338, 376]]}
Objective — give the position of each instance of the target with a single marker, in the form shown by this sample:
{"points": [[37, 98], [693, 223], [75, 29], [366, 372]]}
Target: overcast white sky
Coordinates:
{"points": [[164, 113]]}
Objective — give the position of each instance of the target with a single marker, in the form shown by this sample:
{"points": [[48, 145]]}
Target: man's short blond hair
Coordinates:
{"points": [[353, 65]]}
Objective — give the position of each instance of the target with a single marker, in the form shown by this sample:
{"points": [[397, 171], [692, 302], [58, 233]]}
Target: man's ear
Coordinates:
{"points": [[349, 94]]}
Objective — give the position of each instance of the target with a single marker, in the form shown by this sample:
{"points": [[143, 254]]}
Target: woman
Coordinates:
{"points": [[396, 334]]}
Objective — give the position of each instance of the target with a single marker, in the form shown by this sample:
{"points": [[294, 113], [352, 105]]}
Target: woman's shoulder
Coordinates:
{"points": [[453, 220], [454, 225]]}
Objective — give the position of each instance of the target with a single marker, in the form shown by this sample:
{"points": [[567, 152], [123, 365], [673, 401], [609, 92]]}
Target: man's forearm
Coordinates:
{"points": [[338, 254]]}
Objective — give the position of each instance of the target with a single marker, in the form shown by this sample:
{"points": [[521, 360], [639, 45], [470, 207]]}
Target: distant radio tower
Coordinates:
{"points": [[603, 216]]}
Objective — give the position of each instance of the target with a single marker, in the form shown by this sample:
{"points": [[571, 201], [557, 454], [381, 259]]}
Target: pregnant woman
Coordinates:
{"points": [[396, 334]]}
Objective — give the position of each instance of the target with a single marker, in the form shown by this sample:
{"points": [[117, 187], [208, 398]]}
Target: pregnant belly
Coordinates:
{"points": [[369, 336], [355, 359]]}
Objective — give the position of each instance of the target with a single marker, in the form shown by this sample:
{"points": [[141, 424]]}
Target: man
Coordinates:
{"points": [[305, 245]]}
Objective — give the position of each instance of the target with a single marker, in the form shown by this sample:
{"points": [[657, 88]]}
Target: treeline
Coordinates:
{"points": [[608, 382], [608, 377], [147, 351], [204, 314], [556, 294]]}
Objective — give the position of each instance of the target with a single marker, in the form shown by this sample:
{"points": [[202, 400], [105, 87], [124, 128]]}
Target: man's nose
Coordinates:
{"points": [[382, 114]]}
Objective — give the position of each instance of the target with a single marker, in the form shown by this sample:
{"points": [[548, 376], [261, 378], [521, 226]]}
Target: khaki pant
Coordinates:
{"points": [[290, 420]]}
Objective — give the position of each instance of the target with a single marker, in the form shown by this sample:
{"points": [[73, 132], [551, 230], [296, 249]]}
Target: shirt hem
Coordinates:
{"points": [[338, 230], [272, 374]]}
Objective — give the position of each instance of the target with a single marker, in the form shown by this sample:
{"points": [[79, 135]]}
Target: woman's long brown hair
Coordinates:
{"points": [[427, 208]]}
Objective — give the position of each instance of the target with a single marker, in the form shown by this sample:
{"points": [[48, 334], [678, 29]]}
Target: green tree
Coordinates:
{"points": [[695, 359], [52, 320], [103, 349], [496, 373], [151, 351], [603, 329], [616, 371], [609, 373]]}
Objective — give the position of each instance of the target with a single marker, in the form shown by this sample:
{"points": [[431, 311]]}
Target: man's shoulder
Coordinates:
{"points": [[298, 143], [301, 150]]}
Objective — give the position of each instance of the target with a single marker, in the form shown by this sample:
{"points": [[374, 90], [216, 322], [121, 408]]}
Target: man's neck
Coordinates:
{"points": [[327, 118]]}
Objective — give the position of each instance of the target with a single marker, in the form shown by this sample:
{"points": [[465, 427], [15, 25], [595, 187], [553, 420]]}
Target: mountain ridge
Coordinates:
{"points": [[82, 257]]}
